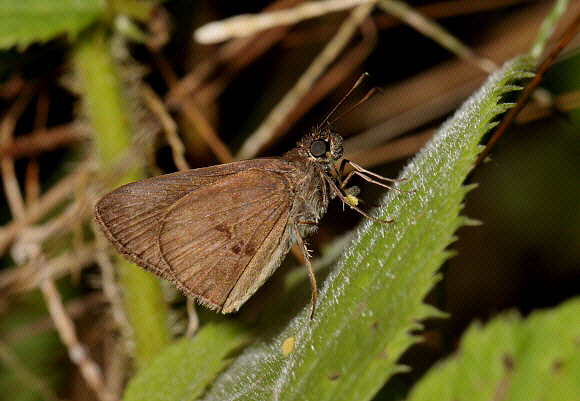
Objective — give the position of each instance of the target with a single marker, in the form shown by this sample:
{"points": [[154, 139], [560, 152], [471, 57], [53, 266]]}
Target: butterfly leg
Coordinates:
{"points": [[306, 255], [365, 174], [350, 204]]}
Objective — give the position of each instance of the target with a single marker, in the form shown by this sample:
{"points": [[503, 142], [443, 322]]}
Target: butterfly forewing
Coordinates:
{"points": [[230, 226], [130, 216]]}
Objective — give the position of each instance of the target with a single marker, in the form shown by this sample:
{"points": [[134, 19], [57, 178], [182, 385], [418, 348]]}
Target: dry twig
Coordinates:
{"points": [[265, 131], [50, 200], [158, 108], [76, 351], [246, 25]]}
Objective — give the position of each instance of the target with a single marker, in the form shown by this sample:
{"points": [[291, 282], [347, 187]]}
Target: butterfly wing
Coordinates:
{"points": [[144, 217], [130, 216], [223, 241]]}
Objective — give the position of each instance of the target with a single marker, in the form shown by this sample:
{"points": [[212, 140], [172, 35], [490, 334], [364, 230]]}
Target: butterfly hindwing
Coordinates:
{"points": [[217, 236]]}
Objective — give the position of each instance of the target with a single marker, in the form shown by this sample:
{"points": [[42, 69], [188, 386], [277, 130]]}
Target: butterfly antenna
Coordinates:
{"points": [[357, 83], [364, 99]]}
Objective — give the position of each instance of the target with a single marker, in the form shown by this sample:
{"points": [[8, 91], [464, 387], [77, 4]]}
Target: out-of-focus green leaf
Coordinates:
{"points": [[512, 359], [183, 370], [28, 21]]}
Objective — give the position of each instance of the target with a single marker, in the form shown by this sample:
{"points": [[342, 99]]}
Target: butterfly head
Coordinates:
{"points": [[322, 146]]}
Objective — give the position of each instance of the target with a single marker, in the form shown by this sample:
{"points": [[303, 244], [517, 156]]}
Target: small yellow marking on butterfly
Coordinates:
{"points": [[352, 200], [288, 345]]}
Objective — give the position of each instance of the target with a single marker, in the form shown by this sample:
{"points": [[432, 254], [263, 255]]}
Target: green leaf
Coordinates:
{"points": [[183, 370], [105, 106], [373, 299], [28, 21], [512, 359]]}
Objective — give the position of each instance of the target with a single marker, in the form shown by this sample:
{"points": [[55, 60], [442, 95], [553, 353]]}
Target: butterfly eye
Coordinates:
{"points": [[318, 148]]}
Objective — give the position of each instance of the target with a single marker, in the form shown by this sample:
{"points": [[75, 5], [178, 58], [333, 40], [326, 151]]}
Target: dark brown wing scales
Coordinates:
{"points": [[130, 215], [231, 222]]}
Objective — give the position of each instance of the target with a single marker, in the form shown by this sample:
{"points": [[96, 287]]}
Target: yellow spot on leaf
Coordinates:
{"points": [[288, 345]]}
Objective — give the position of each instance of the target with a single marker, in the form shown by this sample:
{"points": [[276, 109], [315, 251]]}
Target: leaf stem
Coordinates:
{"points": [[105, 107]]}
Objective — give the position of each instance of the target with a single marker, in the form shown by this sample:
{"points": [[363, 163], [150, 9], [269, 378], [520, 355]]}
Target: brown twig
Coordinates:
{"points": [[439, 10], [123, 346], [77, 352], [206, 131], [32, 182], [335, 76], [111, 290], [418, 115], [169, 127], [251, 24], [190, 110], [278, 114], [28, 277], [47, 202], [7, 127], [64, 325], [76, 308], [560, 103], [63, 223], [564, 39], [232, 56], [44, 140], [438, 33], [427, 97], [192, 318], [244, 53]]}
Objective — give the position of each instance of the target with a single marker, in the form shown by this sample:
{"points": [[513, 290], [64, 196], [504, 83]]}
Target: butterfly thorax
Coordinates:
{"points": [[313, 159]]}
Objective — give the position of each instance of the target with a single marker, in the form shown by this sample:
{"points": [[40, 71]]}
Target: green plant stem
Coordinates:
{"points": [[103, 104]]}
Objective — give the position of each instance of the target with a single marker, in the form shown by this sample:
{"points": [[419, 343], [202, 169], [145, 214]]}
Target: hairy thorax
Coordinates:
{"points": [[312, 195]]}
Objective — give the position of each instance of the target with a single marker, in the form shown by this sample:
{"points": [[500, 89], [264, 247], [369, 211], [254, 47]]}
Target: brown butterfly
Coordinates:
{"points": [[219, 232]]}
